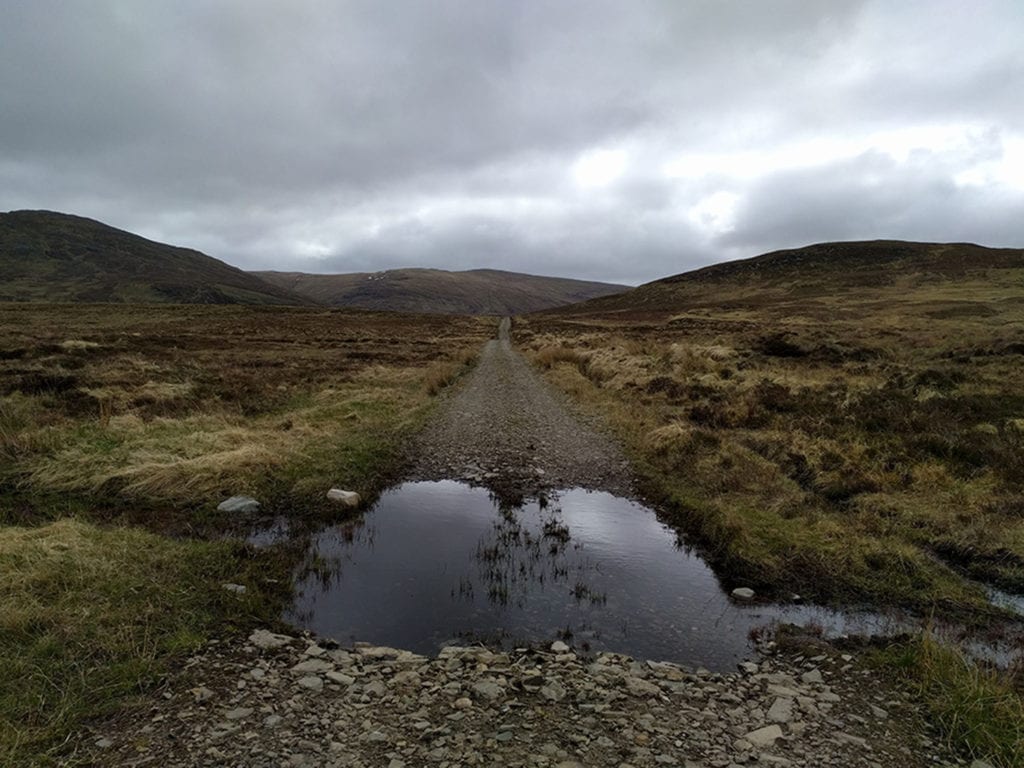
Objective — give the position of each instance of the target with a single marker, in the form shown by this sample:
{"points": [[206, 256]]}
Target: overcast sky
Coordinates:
{"points": [[620, 141]]}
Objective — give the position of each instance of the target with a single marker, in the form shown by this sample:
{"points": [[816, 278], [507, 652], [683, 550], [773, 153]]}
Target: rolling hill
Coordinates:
{"points": [[831, 280], [477, 292], [47, 256]]}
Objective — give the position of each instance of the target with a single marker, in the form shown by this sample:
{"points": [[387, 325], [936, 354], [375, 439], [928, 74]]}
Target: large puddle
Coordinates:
{"points": [[441, 562]]}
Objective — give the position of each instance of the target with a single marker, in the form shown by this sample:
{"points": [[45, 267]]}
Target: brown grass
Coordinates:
{"points": [[152, 415], [855, 439], [845, 445], [443, 373], [549, 356], [185, 405]]}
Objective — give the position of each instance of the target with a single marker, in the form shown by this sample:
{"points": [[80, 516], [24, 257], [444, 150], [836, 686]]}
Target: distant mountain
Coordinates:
{"points": [[816, 279], [474, 292], [46, 256]]}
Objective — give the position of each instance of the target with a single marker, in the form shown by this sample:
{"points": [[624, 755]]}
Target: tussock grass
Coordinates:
{"points": [[71, 345], [17, 415], [90, 616], [196, 403], [187, 460], [815, 467], [442, 373], [852, 437], [152, 415], [548, 356], [979, 711]]}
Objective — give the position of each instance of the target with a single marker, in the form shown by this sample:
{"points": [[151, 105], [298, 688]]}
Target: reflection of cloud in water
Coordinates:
{"points": [[440, 560]]}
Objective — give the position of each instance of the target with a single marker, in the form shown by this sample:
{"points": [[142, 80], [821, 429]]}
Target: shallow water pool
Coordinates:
{"points": [[440, 562]]}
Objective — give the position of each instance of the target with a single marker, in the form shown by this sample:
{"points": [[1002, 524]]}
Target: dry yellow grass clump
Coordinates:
{"points": [[184, 405], [841, 421], [852, 443], [151, 416]]}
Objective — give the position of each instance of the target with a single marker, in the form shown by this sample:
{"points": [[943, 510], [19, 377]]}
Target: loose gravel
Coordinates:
{"points": [[507, 429], [276, 700]]}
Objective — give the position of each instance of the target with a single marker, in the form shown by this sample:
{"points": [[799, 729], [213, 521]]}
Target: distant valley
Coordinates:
{"points": [[57, 257], [474, 292]]}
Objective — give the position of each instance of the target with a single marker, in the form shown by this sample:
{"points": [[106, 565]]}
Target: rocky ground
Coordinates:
{"points": [[508, 430], [276, 700]]}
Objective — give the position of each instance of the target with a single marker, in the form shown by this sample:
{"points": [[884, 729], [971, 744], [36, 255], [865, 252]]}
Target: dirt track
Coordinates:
{"points": [[508, 430]]}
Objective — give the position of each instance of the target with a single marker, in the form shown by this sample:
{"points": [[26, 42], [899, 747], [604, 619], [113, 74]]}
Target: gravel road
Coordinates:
{"points": [[508, 430]]}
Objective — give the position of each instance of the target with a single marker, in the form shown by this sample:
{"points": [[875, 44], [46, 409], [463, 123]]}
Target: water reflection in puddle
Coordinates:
{"points": [[438, 562]]}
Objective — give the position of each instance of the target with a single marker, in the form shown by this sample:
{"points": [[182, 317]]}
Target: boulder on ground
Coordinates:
{"points": [[265, 639], [743, 593], [764, 737], [345, 498], [239, 504]]}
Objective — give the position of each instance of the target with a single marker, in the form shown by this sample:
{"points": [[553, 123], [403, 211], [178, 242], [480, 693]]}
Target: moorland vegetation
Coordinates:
{"points": [[123, 426], [844, 421]]}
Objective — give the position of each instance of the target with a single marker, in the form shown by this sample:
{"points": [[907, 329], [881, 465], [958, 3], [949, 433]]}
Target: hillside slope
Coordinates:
{"points": [[817, 281], [476, 292], [47, 256], [844, 420]]}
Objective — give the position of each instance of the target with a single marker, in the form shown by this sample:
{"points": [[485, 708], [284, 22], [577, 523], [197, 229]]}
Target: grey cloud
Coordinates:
{"points": [[873, 196], [259, 131], [580, 244]]}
